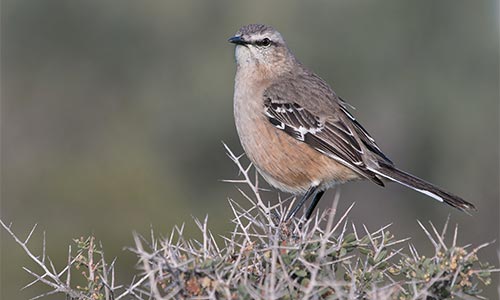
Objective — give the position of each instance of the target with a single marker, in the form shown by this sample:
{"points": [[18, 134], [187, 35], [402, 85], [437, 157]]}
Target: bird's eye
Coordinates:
{"points": [[265, 42]]}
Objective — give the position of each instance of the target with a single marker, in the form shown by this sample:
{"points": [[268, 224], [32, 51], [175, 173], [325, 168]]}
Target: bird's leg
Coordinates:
{"points": [[303, 200], [315, 201]]}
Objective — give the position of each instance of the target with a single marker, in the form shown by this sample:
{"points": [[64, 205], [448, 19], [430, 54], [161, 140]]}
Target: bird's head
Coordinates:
{"points": [[261, 46]]}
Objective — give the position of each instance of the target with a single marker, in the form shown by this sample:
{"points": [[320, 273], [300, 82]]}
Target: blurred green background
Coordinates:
{"points": [[113, 113]]}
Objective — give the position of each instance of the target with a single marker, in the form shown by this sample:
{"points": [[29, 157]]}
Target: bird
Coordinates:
{"points": [[300, 136]]}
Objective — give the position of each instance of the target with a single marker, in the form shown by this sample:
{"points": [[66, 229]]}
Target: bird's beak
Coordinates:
{"points": [[238, 40]]}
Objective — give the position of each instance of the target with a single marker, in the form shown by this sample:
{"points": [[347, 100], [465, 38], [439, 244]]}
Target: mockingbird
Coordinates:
{"points": [[298, 133]]}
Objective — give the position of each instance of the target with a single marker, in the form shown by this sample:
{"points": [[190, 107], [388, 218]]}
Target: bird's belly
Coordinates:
{"points": [[286, 163]]}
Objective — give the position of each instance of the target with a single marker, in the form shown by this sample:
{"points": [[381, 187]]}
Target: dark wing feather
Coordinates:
{"points": [[332, 138], [364, 136]]}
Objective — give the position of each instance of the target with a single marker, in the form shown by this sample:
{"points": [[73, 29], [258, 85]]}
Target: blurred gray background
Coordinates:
{"points": [[113, 113]]}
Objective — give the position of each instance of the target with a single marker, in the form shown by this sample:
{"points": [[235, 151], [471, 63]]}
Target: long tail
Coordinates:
{"points": [[423, 187]]}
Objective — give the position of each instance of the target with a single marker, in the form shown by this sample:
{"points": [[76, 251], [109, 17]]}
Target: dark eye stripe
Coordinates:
{"points": [[263, 43]]}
